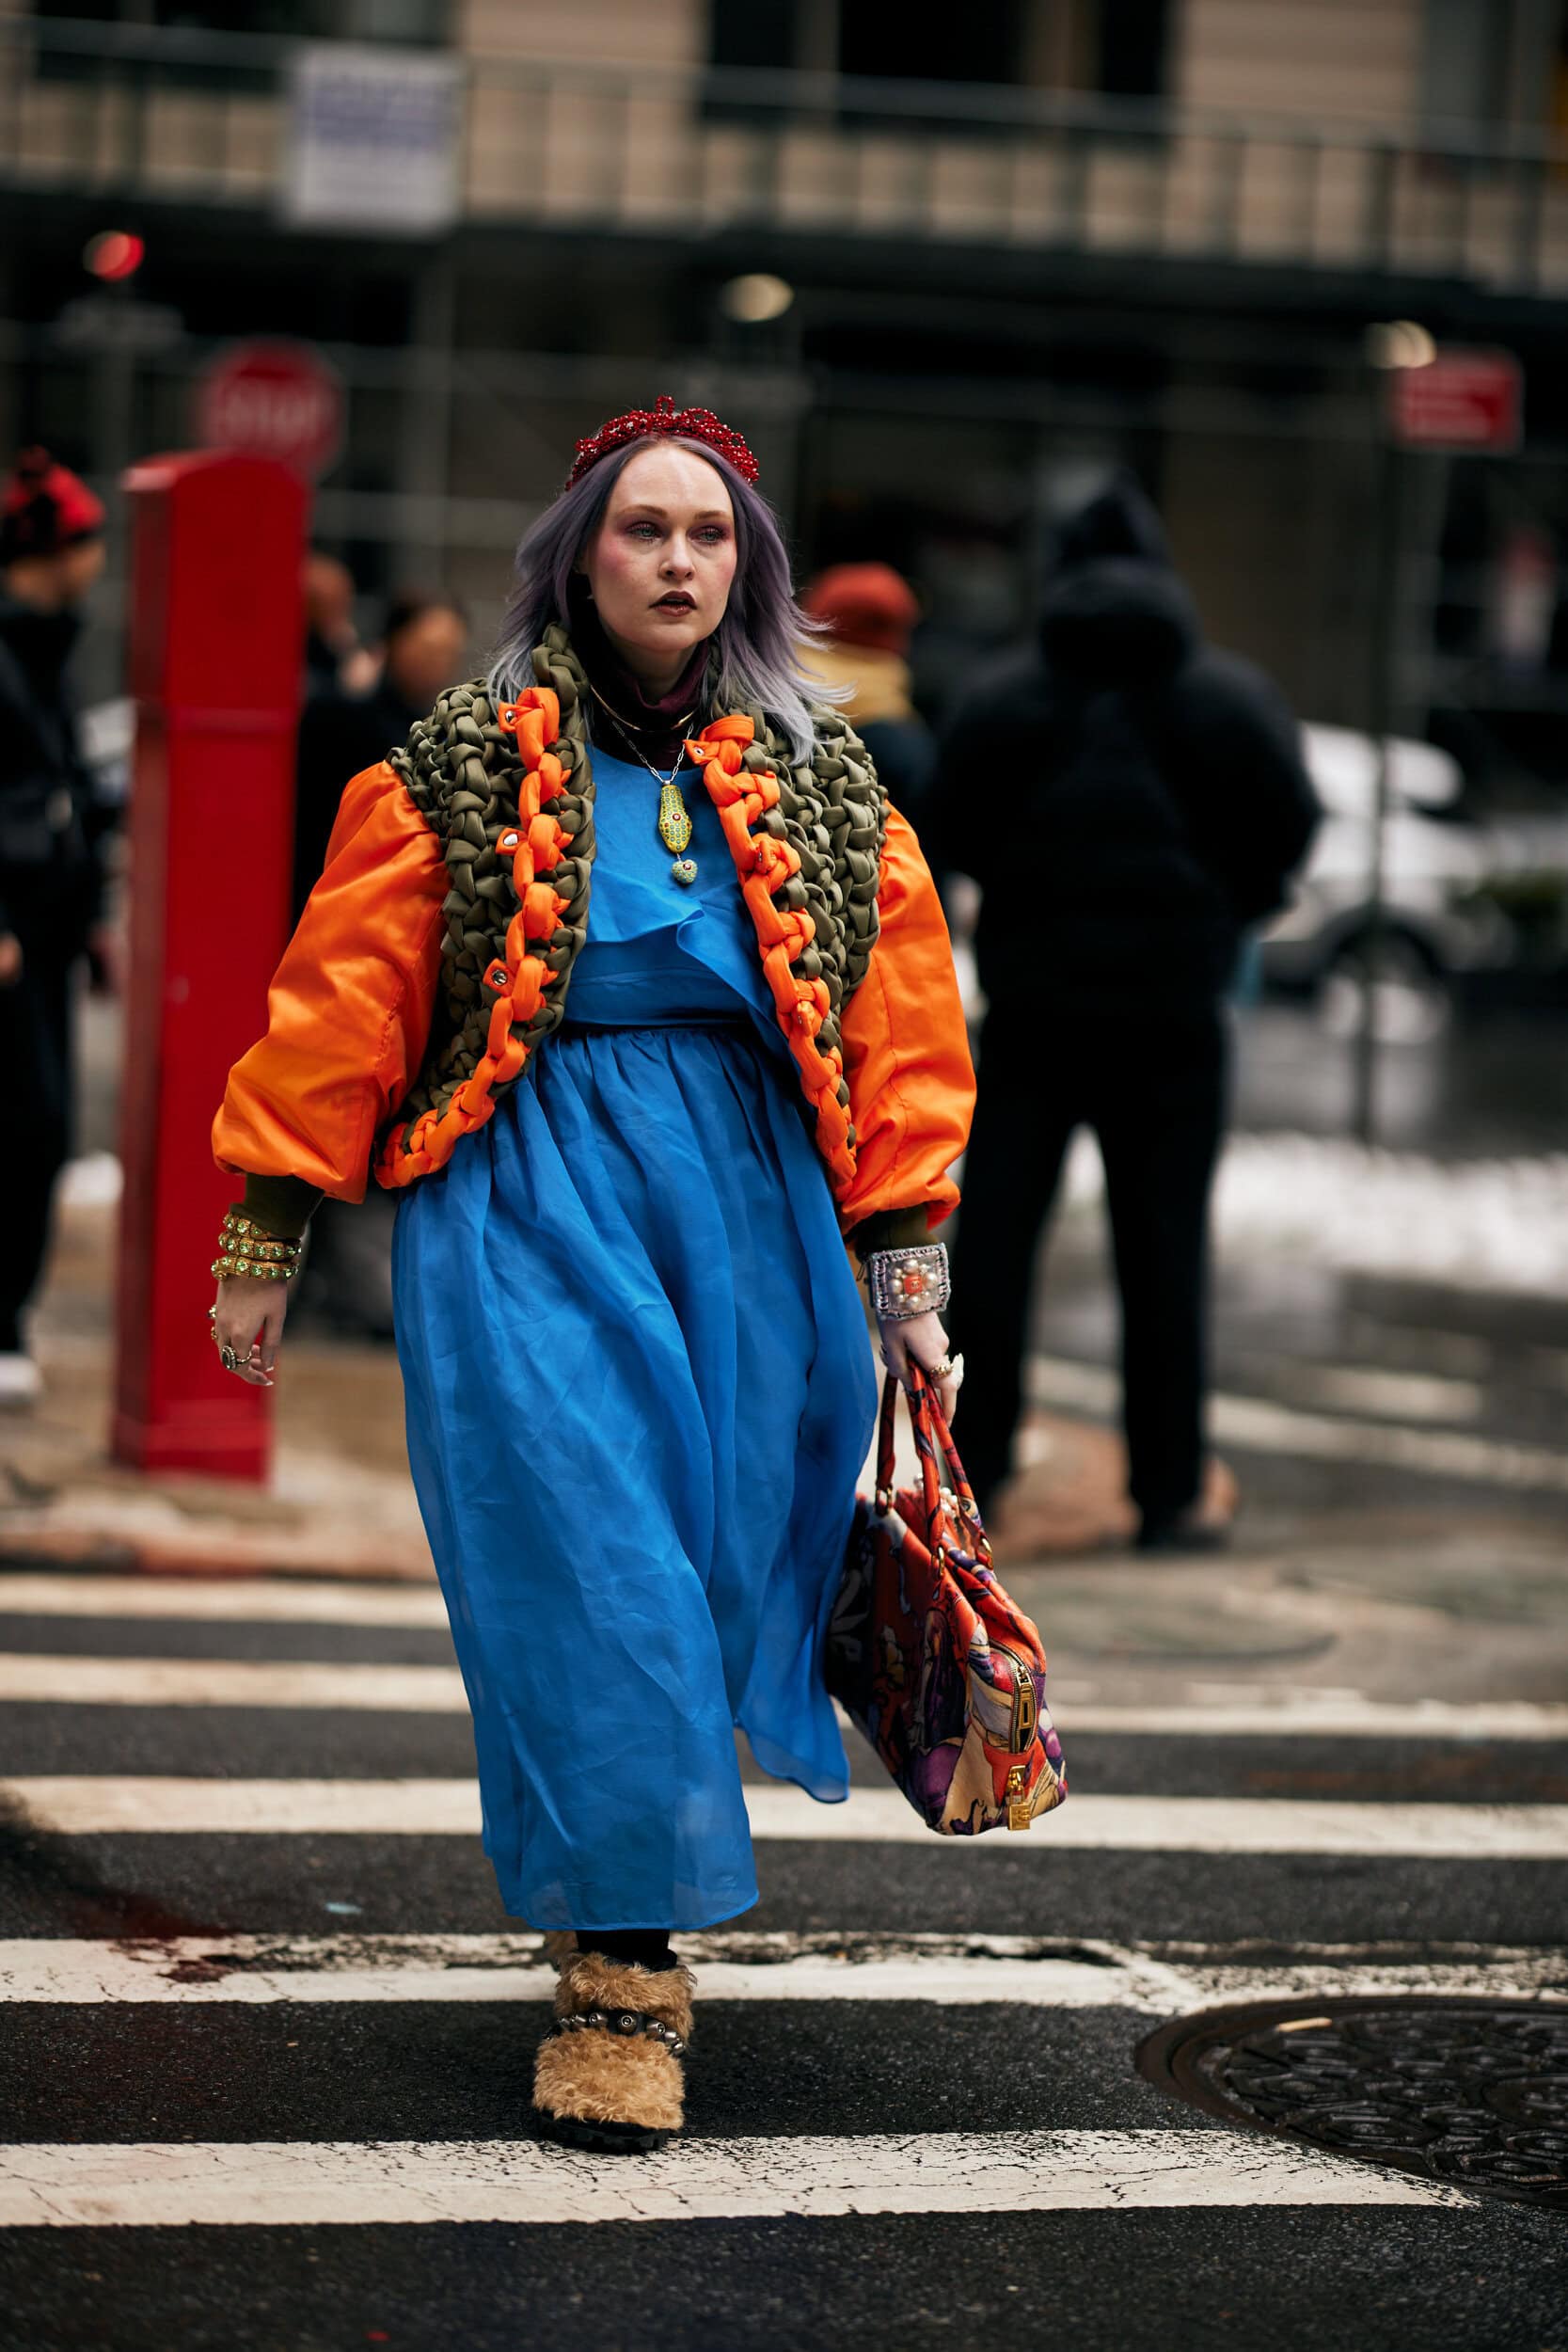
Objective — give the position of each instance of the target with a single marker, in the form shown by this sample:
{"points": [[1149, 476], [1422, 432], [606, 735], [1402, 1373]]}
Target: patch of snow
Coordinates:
{"points": [[93, 1181], [1344, 765], [1329, 1203]]}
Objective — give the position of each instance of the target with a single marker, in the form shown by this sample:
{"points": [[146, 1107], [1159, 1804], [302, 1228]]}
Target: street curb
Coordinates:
{"points": [[89, 1553]]}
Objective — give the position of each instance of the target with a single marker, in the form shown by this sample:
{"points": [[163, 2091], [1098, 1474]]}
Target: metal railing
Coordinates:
{"points": [[163, 113]]}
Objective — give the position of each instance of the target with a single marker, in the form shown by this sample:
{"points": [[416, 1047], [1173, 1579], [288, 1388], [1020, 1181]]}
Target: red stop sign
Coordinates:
{"points": [[273, 400]]}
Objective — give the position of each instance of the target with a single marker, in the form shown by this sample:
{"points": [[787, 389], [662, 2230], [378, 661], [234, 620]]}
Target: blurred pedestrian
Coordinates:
{"points": [[541, 990], [335, 660], [52, 836], [347, 1280], [342, 730], [870, 612], [1129, 800]]}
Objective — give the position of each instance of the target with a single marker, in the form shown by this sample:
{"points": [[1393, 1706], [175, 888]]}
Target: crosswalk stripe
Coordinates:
{"points": [[313, 1684], [79, 1804], [101, 1681], [283, 2183], [1408, 1396], [230, 1682], [1342, 1716], [249, 1970], [241, 1600]]}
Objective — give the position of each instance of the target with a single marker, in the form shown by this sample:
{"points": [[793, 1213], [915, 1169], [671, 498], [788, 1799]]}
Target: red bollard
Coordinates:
{"points": [[216, 655]]}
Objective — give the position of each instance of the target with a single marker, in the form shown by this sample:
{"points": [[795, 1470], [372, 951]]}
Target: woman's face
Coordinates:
{"points": [[662, 560]]}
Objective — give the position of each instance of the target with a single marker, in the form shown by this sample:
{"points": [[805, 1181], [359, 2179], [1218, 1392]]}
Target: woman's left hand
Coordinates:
{"points": [[924, 1338]]}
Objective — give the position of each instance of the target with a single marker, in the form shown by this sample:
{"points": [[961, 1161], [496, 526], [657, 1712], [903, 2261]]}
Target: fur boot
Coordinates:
{"points": [[614, 2080]]}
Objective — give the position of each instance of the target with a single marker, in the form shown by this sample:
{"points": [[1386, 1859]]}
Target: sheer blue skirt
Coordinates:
{"points": [[639, 1389]]}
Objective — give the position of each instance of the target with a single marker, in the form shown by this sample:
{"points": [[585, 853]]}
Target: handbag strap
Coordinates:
{"points": [[937, 1454], [886, 1437]]}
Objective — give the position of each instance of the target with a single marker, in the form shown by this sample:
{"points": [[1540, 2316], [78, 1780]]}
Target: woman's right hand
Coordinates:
{"points": [[249, 1319]]}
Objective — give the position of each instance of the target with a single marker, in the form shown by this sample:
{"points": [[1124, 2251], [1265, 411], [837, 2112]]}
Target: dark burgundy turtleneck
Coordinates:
{"points": [[651, 724]]}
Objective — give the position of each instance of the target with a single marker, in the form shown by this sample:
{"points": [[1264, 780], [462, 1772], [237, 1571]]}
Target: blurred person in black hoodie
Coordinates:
{"points": [[347, 1279], [340, 733], [52, 834], [1130, 801]]}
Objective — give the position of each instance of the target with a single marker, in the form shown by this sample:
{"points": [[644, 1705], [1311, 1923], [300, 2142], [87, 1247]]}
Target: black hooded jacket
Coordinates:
{"points": [[51, 825], [1129, 800]]}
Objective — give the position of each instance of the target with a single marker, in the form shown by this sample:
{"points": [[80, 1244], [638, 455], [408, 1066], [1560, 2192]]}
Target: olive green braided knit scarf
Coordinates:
{"points": [[462, 770]]}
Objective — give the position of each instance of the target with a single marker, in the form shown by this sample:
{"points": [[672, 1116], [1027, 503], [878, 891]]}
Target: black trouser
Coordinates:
{"points": [[1155, 1093], [36, 1029]]}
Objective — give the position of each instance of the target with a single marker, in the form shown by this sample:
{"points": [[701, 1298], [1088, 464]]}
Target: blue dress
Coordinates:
{"points": [[639, 1389]]}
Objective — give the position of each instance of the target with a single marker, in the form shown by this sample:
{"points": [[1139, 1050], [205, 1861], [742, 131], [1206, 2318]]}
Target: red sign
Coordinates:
{"points": [[273, 400], [1461, 400]]}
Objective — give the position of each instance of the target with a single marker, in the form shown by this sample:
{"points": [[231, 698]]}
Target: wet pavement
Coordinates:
{"points": [[1491, 1085], [1391, 1327]]}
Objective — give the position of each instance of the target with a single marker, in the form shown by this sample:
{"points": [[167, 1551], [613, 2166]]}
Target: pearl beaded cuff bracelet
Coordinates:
{"points": [[906, 1283]]}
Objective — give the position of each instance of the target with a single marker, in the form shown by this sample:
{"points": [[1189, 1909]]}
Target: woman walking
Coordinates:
{"points": [[635, 871]]}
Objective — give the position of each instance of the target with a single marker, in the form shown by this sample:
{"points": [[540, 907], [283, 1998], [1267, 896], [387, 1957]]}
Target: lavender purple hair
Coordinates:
{"points": [[759, 640]]}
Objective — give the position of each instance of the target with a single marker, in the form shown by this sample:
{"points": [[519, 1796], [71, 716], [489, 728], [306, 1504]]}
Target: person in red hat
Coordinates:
{"points": [[51, 839], [869, 613]]}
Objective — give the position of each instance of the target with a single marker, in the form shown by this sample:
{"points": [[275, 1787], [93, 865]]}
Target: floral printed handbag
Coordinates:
{"points": [[943, 1674]]}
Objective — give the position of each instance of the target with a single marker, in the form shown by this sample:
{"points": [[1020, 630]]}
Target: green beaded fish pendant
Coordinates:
{"points": [[674, 831]]}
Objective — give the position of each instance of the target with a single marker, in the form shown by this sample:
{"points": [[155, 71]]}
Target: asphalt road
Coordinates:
{"points": [[225, 2008]]}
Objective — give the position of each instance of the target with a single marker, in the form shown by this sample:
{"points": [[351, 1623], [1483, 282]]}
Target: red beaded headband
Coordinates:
{"points": [[689, 425]]}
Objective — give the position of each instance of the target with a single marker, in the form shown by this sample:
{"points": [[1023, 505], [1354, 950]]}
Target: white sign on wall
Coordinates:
{"points": [[373, 139]]}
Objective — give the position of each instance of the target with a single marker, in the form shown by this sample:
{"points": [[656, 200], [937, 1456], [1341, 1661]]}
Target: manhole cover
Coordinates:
{"points": [[1474, 2093]]}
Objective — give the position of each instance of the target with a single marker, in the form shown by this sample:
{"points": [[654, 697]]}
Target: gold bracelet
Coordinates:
{"points": [[285, 1252], [247, 1248], [244, 1229], [250, 1265]]}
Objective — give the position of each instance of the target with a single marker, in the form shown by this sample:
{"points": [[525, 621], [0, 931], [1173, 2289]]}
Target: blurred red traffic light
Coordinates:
{"points": [[114, 254]]}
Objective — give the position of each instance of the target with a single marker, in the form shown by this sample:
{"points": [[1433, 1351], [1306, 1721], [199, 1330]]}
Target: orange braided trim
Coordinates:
{"points": [[743, 797], [536, 843]]}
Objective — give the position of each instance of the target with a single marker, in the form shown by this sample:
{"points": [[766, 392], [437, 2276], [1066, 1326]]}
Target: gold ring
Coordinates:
{"points": [[228, 1359]]}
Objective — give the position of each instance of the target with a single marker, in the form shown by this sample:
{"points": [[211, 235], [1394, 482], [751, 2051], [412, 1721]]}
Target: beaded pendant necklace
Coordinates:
{"points": [[674, 818]]}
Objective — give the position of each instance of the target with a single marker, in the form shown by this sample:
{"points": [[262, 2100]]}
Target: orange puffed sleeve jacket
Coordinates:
{"points": [[350, 1010]]}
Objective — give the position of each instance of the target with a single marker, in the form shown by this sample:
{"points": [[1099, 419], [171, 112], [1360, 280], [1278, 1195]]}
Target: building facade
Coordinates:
{"points": [[944, 271]]}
